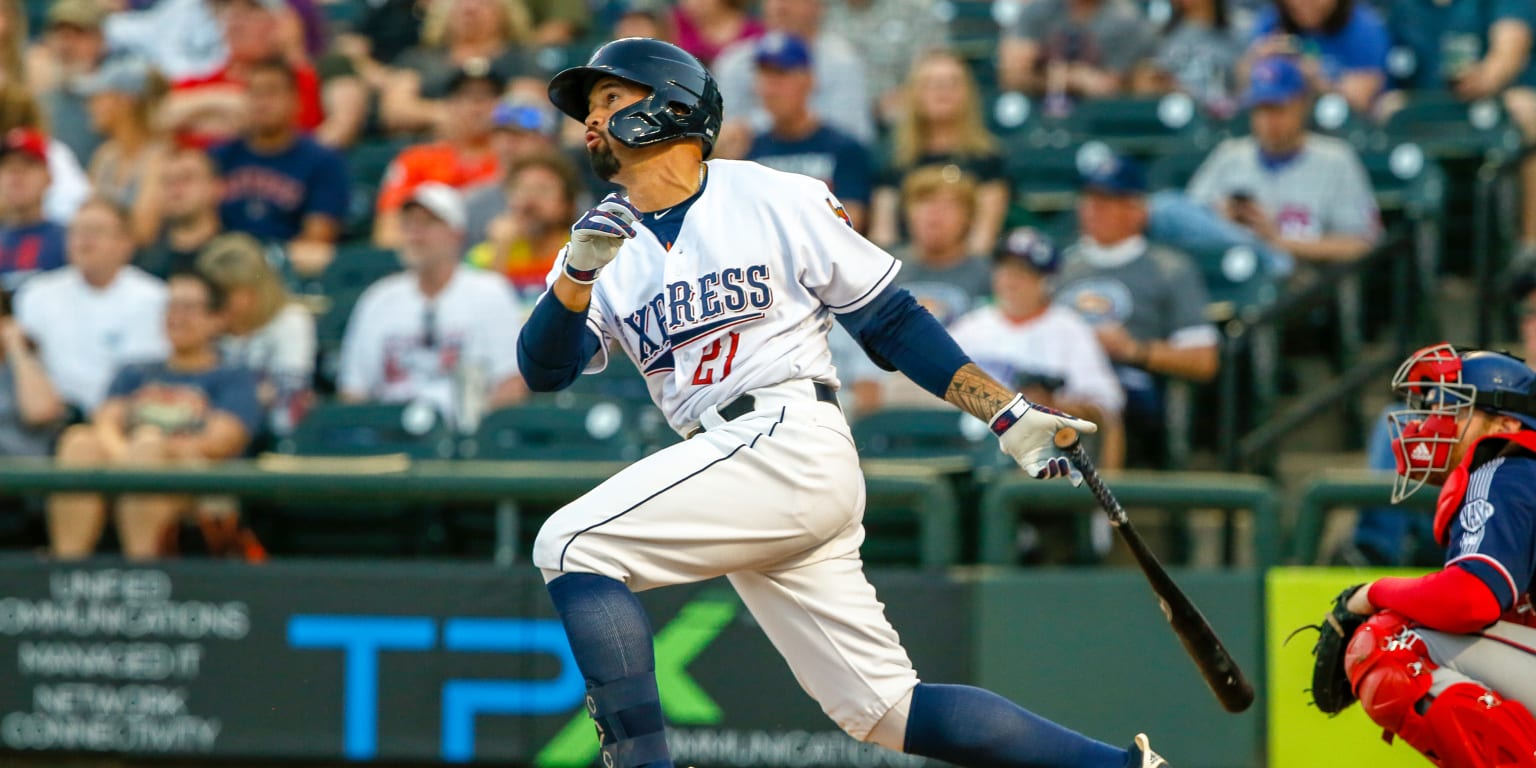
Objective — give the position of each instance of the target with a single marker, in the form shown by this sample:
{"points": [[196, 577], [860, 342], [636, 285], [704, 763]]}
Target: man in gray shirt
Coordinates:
{"points": [[1292, 194], [935, 266], [1146, 303]]}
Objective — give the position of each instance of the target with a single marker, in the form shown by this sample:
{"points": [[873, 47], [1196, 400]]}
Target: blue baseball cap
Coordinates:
{"points": [[512, 114], [1275, 80], [1028, 247], [1115, 175], [782, 51]]}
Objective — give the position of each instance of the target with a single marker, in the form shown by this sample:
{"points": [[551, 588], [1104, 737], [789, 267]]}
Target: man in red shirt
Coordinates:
{"points": [[463, 155], [213, 108]]}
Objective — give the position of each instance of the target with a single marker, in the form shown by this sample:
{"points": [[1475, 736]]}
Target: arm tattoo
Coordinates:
{"points": [[977, 393]]}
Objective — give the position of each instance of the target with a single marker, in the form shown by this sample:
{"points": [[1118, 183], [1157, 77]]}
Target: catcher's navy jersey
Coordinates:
{"points": [[1494, 535]]}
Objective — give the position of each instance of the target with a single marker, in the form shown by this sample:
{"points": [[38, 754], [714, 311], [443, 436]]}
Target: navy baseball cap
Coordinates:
{"points": [[1275, 80], [782, 51], [477, 69], [1115, 175], [1028, 247]]}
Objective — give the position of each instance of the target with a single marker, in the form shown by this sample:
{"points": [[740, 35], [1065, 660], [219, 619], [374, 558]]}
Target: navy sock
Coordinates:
{"points": [[612, 641], [977, 728]]}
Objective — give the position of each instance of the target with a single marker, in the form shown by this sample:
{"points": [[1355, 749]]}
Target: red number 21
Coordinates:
{"points": [[706, 372]]}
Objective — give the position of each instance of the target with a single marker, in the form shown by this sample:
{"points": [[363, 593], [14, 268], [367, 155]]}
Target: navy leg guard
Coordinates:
{"points": [[612, 642], [979, 729]]}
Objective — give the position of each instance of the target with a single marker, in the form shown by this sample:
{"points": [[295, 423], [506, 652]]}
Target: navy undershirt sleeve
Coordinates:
{"points": [[554, 346], [899, 334]]}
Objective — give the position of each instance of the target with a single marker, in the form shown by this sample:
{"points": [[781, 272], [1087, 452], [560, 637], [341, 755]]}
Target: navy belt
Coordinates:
{"points": [[746, 404]]}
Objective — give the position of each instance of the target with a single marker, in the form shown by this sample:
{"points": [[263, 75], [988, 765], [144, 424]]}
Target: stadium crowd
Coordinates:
{"points": [[197, 196]]}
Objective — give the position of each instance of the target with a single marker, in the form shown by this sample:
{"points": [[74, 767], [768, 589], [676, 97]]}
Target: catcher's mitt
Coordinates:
{"points": [[1330, 685]]}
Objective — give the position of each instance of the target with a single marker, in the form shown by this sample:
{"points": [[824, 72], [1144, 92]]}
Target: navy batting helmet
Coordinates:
{"points": [[684, 99]]}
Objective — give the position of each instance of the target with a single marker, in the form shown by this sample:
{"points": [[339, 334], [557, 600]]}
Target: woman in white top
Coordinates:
{"points": [[268, 333]]}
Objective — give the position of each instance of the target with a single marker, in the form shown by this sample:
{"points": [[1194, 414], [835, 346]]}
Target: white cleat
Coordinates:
{"points": [[1149, 759]]}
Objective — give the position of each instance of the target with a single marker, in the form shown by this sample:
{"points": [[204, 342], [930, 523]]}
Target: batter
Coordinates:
{"points": [[720, 280]]}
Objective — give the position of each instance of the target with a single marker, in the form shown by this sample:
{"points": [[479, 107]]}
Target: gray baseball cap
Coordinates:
{"points": [[128, 76]]}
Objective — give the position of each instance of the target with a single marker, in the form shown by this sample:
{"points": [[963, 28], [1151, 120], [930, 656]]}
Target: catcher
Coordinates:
{"points": [[1447, 660]]}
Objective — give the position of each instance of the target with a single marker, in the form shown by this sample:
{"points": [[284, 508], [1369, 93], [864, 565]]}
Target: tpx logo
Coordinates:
{"points": [[362, 638]]}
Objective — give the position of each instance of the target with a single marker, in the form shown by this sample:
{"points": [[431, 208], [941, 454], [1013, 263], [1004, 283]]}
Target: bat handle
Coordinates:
{"points": [[1066, 440]]}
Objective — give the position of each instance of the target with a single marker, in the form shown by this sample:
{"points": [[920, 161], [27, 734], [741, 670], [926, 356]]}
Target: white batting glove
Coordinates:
{"points": [[1027, 432], [596, 237]]}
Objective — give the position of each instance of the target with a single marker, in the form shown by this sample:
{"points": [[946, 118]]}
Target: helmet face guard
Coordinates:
{"points": [[1434, 420]]}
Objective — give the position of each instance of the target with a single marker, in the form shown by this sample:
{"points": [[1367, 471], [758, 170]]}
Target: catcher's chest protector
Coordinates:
{"points": [[1466, 726], [1455, 488]]}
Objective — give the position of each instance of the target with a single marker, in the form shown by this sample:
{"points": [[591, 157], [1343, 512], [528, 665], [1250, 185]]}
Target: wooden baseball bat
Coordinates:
{"points": [[1216, 665]]}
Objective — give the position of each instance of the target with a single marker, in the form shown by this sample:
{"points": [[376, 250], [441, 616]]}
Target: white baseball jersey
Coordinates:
{"points": [[744, 298]]}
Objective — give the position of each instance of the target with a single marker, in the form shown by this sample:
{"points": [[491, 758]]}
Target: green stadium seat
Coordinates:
{"points": [[366, 165], [1143, 126], [556, 429], [919, 433], [1045, 180], [1173, 171], [1446, 127], [371, 429], [356, 266]]}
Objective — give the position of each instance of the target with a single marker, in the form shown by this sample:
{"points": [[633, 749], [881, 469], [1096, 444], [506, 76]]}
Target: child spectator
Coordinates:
{"points": [[941, 124], [187, 409], [265, 331]]}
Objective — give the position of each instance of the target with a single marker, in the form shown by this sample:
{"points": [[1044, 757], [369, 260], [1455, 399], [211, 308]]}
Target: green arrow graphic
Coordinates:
{"points": [[683, 700]]}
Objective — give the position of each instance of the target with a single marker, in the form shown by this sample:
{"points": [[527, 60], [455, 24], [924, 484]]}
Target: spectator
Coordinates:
{"points": [[1198, 55], [437, 328], [13, 42], [644, 18], [281, 186], [72, 48], [461, 158], [183, 39], [707, 27], [527, 237], [69, 186], [1146, 303], [483, 36], [215, 107], [1476, 51], [1342, 45], [889, 36], [188, 189], [941, 125], [558, 22], [522, 128], [31, 410], [123, 96], [1047, 352], [29, 243], [798, 141], [1293, 194], [936, 270], [266, 332], [187, 409], [841, 95], [97, 314], [1067, 48], [387, 30]]}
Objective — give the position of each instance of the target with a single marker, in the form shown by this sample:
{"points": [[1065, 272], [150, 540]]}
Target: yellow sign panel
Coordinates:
{"points": [[1299, 735]]}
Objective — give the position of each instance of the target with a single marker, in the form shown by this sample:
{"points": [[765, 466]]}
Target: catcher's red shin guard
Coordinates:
{"points": [[1466, 726]]}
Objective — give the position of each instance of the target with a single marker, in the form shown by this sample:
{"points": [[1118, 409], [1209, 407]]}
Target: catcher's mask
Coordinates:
{"points": [[1440, 386]]}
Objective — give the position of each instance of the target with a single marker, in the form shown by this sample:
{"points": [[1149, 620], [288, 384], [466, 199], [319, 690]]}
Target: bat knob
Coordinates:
{"points": [[1066, 438]]}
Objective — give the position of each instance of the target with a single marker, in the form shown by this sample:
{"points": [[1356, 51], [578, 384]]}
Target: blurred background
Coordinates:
{"points": [[270, 478]]}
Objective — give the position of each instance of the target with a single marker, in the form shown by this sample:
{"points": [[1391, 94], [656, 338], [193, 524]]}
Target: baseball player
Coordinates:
{"points": [[1447, 661], [720, 281]]}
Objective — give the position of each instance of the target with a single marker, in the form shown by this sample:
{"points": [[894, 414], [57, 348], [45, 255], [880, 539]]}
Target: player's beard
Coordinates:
{"points": [[604, 163]]}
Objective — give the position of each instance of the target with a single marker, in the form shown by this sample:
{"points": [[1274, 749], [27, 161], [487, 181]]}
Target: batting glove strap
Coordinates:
{"points": [[583, 276]]}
